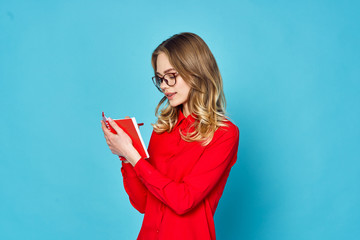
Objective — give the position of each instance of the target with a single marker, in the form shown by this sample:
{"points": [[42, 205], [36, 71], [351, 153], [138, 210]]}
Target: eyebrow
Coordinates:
{"points": [[166, 71]]}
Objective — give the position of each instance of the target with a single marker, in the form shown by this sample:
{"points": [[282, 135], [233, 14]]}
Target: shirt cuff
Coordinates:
{"points": [[128, 169], [140, 167], [149, 175]]}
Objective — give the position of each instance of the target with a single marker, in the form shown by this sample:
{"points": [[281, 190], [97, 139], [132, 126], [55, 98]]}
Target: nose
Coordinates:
{"points": [[163, 86]]}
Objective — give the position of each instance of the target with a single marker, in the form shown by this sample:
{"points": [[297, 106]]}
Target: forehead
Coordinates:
{"points": [[162, 63]]}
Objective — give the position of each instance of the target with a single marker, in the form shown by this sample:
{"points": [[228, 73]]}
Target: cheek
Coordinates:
{"points": [[187, 89], [183, 87], [187, 92]]}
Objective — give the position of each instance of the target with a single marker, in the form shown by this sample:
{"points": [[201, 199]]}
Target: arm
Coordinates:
{"points": [[184, 196], [121, 145], [134, 187]]}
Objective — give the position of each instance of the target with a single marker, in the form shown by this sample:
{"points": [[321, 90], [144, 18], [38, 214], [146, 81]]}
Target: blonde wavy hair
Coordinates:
{"points": [[193, 60]]}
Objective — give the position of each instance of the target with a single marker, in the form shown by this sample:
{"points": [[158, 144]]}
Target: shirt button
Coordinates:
{"points": [[157, 230]]}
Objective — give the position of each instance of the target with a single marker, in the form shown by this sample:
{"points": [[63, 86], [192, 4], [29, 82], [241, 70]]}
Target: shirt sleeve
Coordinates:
{"points": [[134, 187], [184, 196]]}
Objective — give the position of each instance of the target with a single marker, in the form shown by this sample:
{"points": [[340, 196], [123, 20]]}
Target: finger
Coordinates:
{"points": [[115, 126], [107, 134], [127, 117], [104, 128], [106, 137]]}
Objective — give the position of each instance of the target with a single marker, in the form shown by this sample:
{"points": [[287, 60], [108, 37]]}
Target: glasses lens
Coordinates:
{"points": [[171, 79], [157, 81]]}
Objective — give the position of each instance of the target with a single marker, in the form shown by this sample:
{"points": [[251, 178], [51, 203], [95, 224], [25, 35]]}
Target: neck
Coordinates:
{"points": [[185, 110]]}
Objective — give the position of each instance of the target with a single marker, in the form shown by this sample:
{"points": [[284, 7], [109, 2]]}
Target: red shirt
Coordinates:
{"points": [[179, 186]]}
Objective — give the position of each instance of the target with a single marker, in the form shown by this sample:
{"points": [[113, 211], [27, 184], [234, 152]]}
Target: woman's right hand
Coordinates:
{"points": [[120, 143]]}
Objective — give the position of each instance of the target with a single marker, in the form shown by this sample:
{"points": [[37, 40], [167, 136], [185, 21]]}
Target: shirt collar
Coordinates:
{"points": [[181, 117]]}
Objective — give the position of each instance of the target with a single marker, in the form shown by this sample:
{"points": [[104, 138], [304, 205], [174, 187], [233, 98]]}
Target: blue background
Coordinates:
{"points": [[291, 73]]}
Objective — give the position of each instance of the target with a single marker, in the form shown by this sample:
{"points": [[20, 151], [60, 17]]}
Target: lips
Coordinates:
{"points": [[170, 95]]}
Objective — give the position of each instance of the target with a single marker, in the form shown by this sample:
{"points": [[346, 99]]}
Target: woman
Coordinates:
{"points": [[192, 148]]}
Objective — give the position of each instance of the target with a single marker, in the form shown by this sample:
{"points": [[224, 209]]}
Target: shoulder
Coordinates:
{"points": [[229, 128], [228, 132]]}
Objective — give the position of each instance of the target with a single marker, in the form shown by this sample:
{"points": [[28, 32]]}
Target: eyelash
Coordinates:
{"points": [[170, 72]]}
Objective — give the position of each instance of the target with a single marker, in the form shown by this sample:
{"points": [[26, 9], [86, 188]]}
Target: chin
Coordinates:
{"points": [[173, 103]]}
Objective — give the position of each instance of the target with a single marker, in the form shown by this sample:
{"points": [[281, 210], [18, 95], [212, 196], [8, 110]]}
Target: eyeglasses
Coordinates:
{"points": [[169, 79]]}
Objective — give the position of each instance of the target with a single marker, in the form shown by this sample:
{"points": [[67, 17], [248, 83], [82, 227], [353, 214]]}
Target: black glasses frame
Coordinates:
{"points": [[157, 83]]}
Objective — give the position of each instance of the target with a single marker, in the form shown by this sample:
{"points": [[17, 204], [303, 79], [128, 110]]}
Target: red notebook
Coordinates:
{"points": [[130, 127]]}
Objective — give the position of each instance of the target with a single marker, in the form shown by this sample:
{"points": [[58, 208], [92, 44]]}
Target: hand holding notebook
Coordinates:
{"points": [[130, 127]]}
